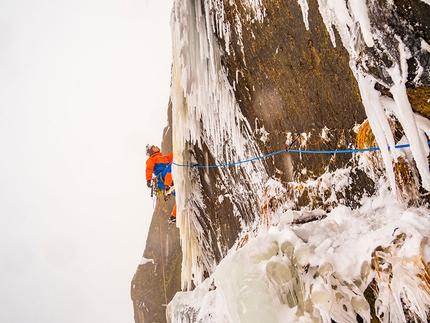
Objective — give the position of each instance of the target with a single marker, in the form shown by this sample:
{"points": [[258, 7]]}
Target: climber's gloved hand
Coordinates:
{"points": [[149, 183]]}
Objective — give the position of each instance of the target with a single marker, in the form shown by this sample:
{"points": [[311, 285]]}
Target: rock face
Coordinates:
{"points": [[294, 80], [290, 77], [158, 279]]}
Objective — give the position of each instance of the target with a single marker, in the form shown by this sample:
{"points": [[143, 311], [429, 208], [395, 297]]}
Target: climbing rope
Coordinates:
{"points": [[162, 254], [287, 149]]}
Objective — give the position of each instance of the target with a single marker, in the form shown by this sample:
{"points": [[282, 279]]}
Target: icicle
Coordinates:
{"points": [[359, 10], [305, 8], [204, 109], [379, 124], [407, 118]]}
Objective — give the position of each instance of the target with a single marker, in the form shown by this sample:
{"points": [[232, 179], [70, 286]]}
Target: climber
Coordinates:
{"points": [[161, 167]]}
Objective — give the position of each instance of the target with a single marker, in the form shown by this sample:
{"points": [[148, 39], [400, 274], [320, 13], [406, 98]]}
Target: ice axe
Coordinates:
{"points": [[287, 147], [154, 184]]}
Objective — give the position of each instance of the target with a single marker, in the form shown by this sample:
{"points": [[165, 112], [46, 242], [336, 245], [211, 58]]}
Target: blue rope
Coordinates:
{"points": [[294, 151]]}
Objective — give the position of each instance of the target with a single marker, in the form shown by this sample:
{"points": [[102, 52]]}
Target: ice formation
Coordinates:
{"points": [[320, 270], [351, 20], [204, 107], [312, 272]]}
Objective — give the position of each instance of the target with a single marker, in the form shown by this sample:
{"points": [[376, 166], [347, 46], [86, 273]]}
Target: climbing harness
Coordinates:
{"points": [[287, 149]]}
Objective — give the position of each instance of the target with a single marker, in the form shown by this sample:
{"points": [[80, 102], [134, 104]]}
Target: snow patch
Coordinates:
{"points": [[145, 261]]}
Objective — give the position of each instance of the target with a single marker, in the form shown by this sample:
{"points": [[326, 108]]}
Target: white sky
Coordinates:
{"points": [[84, 85]]}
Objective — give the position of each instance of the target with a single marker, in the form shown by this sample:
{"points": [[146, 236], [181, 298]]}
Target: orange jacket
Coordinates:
{"points": [[156, 159]]}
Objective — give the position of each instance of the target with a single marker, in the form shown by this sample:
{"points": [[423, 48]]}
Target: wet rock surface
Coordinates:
{"points": [[292, 80]]}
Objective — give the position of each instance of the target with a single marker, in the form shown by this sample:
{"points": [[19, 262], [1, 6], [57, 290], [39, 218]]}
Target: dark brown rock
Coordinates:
{"points": [[294, 80]]}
